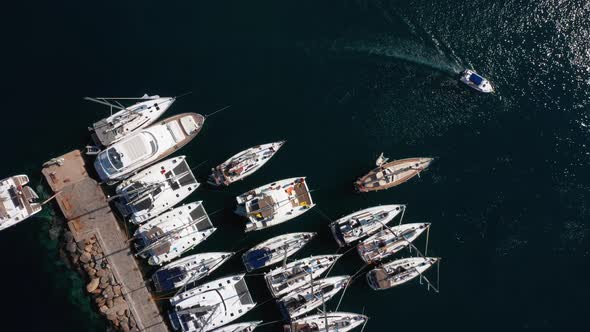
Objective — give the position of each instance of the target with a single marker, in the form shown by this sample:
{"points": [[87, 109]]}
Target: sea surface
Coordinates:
{"points": [[342, 81]]}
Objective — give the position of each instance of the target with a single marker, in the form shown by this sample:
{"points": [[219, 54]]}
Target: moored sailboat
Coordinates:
{"points": [[17, 201], [275, 250], [389, 241], [327, 322], [305, 299], [398, 272], [391, 174]]}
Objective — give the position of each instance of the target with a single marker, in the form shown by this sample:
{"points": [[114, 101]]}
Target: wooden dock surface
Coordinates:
{"points": [[85, 206]]}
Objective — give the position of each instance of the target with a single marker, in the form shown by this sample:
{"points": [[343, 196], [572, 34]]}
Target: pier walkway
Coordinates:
{"points": [[85, 206]]}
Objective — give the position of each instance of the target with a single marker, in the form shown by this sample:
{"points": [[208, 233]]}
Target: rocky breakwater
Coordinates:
{"points": [[88, 258]]}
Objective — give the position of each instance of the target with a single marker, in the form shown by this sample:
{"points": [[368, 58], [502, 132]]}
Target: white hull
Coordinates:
{"points": [[170, 235], [275, 250], [389, 241], [361, 224], [398, 272], [337, 322], [284, 280], [475, 81], [156, 189], [239, 327], [305, 299], [17, 201], [274, 203]]}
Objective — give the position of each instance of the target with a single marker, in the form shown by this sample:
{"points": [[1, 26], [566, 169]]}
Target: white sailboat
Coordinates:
{"points": [[305, 299], [274, 203], [155, 189], [147, 146], [239, 327], [171, 234], [128, 119], [328, 322], [188, 270], [358, 225], [17, 201], [288, 278], [211, 305], [243, 164], [275, 249], [389, 241], [398, 272]]}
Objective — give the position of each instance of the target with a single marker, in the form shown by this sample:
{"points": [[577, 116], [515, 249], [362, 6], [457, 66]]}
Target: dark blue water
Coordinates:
{"points": [[341, 81]]}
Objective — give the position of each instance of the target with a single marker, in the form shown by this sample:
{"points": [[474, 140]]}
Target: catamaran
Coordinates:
{"points": [[398, 272], [243, 164], [475, 81], [211, 305], [389, 241], [17, 201], [188, 270], [336, 322], [288, 278], [358, 225], [391, 174], [170, 235], [155, 189], [239, 327], [128, 119], [305, 299], [147, 146], [275, 249], [274, 203]]}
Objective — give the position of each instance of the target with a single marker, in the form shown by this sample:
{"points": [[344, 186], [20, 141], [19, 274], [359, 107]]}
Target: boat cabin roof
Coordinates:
{"points": [[476, 79]]}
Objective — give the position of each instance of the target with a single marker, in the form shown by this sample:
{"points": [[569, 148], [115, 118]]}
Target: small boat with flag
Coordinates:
{"points": [[239, 327], [389, 241], [398, 272], [305, 299], [128, 119], [17, 201], [243, 164], [275, 250], [211, 305], [188, 270], [170, 235], [146, 146], [327, 322], [391, 174], [155, 189], [475, 81], [274, 203], [358, 225], [288, 278]]}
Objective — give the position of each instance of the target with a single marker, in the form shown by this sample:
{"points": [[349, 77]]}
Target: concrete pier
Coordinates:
{"points": [[89, 216]]}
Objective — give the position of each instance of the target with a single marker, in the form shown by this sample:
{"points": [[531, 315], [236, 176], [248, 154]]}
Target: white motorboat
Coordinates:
{"points": [[243, 164], [305, 299], [275, 250], [188, 270], [156, 189], [17, 201], [239, 327], [211, 305], [171, 234], [147, 146], [358, 225], [128, 119], [398, 272], [274, 203], [336, 322], [475, 81], [389, 241], [288, 278]]}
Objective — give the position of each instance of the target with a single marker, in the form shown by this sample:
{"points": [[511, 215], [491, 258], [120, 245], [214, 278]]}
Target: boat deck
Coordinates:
{"points": [[85, 206]]}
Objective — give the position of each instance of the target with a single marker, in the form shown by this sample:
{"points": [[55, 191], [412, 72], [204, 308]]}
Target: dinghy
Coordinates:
{"points": [[128, 119], [305, 299], [391, 174], [239, 327], [475, 81], [389, 241], [288, 278], [274, 203], [155, 189], [358, 225], [398, 272], [17, 201], [211, 305], [188, 270], [336, 322], [275, 250], [170, 235], [243, 164], [147, 146]]}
